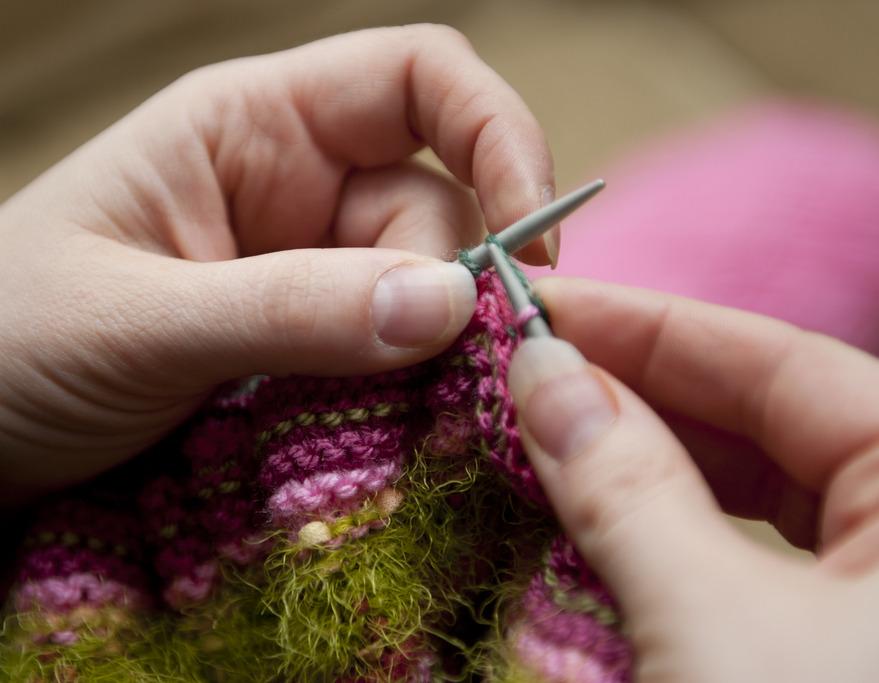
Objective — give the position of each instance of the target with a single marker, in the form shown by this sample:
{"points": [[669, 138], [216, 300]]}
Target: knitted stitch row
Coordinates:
{"points": [[314, 529]]}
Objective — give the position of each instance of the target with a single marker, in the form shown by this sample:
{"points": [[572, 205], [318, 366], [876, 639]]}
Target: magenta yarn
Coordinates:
{"points": [[329, 493], [775, 212], [63, 593], [772, 210], [478, 388], [272, 458]]}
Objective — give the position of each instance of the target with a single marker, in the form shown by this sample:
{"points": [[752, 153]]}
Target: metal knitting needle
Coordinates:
{"points": [[535, 326], [535, 224]]}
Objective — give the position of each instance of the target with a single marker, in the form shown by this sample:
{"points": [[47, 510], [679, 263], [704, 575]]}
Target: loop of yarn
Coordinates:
{"points": [[326, 529]]}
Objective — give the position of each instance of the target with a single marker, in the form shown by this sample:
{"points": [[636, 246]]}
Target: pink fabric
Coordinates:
{"points": [[63, 593], [555, 663], [275, 454], [192, 587], [560, 643], [329, 493], [775, 211]]}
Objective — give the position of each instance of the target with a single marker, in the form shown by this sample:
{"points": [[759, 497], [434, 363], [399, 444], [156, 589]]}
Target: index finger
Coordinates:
{"points": [[373, 97], [810, 402]]}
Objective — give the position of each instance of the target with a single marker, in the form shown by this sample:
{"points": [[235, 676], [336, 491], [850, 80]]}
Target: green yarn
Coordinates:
{"points": [[312, 612], [467, 261], [456, 550], [340, 609], [584, 603], [94, 657], [524, 533], [332, 418]]}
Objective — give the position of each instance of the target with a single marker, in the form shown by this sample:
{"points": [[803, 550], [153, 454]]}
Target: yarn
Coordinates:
{"points": [[382, 528], [528, 313], [771, 209], [566, 627]]}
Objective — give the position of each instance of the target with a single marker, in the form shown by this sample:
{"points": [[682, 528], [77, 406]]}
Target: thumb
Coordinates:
{"points": [[309, 311], [623, 487]]}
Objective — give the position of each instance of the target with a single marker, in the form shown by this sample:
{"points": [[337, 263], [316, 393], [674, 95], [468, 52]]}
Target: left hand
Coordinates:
{"points": [[185, 245]]}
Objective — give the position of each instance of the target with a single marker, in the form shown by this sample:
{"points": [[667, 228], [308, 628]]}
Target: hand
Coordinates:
{"points": [[784, 426], [184, 246]]}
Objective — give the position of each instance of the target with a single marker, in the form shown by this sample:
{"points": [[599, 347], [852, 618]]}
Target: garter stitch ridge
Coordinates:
{"points": [[349, 530]]}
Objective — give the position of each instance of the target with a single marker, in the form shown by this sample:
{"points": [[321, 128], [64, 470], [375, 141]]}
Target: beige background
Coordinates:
{"points": [[601, 76]]}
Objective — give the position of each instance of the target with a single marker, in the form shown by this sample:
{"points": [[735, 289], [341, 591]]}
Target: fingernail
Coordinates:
{"points": [[551, 239], [422, 304], [561, 401]]}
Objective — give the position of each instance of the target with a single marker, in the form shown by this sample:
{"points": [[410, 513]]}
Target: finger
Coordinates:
{"points": [[850, 525], [310, 312], [407, 206], [811, 403], [623, 487], [748, 484], [282, 130]]}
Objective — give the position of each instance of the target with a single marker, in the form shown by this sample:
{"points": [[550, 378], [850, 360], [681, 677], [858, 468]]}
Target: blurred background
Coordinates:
{"points": [[601, 76]]}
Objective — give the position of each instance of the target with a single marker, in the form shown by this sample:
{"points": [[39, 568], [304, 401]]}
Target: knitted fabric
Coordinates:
{"points": [[382, 528]]}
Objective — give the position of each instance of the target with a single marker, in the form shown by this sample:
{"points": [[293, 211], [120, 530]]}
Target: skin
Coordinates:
{"points": [[760, 418], [182, 248], [185, 245]]}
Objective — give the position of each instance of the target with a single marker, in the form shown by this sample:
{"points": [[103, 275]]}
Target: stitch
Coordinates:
{"points": [[333, 418], [321, 529]]}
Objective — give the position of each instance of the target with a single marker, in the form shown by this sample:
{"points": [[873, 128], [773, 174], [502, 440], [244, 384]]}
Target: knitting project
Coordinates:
{"points": [[382, 528]]}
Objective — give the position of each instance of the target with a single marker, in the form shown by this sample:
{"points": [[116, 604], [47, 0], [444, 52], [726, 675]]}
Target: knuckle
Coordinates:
{"points": [[440, 33], [853, 496], [212, 89], [195, 81]]}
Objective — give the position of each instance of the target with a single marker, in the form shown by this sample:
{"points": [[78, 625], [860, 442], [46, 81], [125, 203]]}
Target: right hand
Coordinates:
{"points": [[784, 426]]}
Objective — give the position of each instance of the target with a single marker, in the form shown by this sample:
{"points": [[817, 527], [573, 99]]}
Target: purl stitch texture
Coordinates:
{"points": [[313, 529]]}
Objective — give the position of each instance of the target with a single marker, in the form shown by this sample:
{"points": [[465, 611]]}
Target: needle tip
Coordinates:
{"points": [[536, 225]]}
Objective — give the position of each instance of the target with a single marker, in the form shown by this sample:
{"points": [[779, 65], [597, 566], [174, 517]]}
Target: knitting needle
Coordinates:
{"points": [[523, 231], [535, 326]]}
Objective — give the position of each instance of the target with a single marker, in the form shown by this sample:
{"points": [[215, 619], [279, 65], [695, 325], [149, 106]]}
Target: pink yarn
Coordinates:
{"points": [[775, 210], [76, 536], [180, 545], [555, 663], [280, 453], [64, 637], [769, 214], [560, 629], [478, 388], [348, 447], [528, 313], [63, 593], [245, 551], [192, 587], [329, 492], [452, 435]]}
